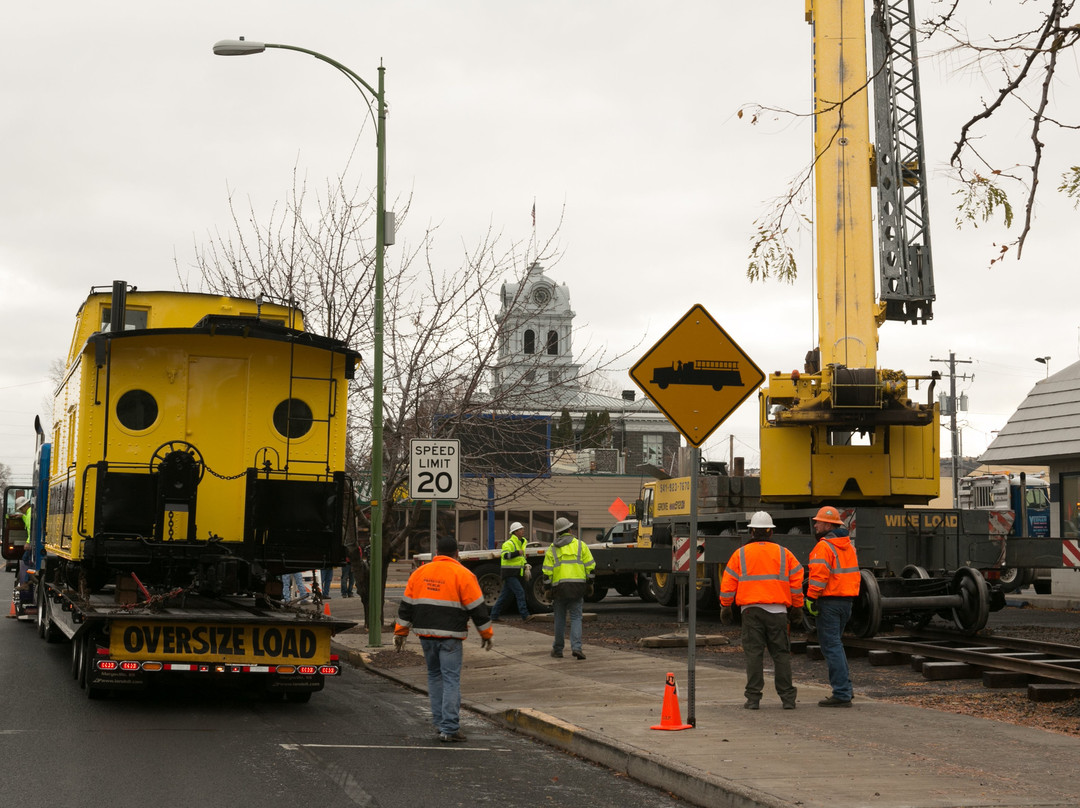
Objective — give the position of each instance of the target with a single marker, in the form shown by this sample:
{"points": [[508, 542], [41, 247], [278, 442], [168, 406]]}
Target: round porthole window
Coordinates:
{"points": [[292, 418], [137, 410]]}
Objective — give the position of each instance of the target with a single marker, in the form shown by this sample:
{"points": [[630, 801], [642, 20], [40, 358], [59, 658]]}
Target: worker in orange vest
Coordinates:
{"points": [[765, 580], [440, 598], [834, 584]]}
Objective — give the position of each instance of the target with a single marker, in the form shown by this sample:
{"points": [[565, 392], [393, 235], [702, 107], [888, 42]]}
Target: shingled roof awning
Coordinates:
{"points": [[1046, 425]]}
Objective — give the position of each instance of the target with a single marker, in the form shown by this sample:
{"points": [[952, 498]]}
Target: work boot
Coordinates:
{"points": [[452, 737], [579, 654], [832, 701], [751, 704], [556, 654], [789, 705]]}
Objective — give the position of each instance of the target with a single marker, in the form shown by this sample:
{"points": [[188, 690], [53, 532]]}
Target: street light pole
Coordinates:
{"points": [[242, 47], [1044, 360]]}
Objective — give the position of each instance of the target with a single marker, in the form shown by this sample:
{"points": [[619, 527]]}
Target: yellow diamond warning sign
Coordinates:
{"points": [[696, 375]]}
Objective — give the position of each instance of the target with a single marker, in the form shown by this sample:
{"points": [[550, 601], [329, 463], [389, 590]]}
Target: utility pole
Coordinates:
{"points": [[952, 362]]}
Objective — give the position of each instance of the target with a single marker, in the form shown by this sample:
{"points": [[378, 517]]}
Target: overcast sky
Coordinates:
{"points": [[123, 135]]}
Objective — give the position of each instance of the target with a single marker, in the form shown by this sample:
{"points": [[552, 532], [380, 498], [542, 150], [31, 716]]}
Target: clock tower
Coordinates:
{"points": [[535, 358]]}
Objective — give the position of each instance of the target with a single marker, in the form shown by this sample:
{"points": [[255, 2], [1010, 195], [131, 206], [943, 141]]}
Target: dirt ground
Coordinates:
{"points": [[900, 684]]}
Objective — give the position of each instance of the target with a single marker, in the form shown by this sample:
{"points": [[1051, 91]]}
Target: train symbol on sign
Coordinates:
{"points": [[707, 372]]}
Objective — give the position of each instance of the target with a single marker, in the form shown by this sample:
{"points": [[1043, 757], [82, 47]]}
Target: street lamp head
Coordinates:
{"points": [[238, 47], [1042, 359]]}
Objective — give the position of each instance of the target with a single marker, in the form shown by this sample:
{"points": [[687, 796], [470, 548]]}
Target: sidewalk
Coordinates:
{"points": [[875, 754]]}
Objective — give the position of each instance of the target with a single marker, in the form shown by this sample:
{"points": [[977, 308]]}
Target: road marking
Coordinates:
{"points": [[293, 747]]}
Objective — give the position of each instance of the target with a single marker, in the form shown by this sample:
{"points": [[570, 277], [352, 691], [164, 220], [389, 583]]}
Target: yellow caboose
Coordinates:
{"points": [[197, 440]]}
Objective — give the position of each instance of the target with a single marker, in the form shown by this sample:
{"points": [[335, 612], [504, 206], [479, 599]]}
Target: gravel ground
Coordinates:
{"points": [[900, 684]]}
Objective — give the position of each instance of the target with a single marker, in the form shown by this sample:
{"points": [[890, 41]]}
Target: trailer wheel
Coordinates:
{"points": [[596, 593], [537, 593], [47, 629], [866, 612], [86, 656], [972, 614], [490, 579], [76, 658], [664, 589], [644, 588]]}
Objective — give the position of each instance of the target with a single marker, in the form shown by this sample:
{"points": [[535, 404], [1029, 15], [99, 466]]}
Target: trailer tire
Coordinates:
{"points": [[538, 594], [664, 589], [596, 593], [644, 588], [490, 577], [47, 629], [1012, 579]]}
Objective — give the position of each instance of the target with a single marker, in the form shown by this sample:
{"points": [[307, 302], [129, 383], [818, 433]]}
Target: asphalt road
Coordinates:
{"points": [[363, 741]]}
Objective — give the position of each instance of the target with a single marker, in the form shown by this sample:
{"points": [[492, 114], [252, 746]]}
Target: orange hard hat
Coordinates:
{"points": [[829, 514]]}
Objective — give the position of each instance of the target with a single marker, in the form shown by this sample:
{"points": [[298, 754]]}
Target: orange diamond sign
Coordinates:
{"points": [[696, 375]]}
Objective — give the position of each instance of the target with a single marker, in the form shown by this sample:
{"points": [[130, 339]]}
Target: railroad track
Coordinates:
{"points": [[1049, 671]]}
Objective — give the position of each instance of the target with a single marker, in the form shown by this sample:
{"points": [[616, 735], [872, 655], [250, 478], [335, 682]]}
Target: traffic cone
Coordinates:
{"points": [[670, 717], [12, 612], [326, 608]]}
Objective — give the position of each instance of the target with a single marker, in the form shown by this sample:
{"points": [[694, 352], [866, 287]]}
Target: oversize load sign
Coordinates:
{"points": [[434, 469], [696, 375], [220, 642]]}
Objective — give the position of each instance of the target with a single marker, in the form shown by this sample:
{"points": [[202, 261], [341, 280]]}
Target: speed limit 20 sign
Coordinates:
{"points": [[434, 469]]}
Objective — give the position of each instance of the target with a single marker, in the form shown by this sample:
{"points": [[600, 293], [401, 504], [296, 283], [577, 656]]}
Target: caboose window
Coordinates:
{"points": [[292, 418], [137, 410]]}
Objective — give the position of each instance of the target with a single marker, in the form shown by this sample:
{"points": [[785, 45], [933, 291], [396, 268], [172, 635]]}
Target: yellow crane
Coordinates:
{"points": [[843, 429]]}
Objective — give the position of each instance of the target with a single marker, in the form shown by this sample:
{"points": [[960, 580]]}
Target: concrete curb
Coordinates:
{"points": [[693, 785]]}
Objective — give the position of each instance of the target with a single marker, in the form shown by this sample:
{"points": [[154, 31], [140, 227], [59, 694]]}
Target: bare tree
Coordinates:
{"points": [[1025, 63], [441, 330]]}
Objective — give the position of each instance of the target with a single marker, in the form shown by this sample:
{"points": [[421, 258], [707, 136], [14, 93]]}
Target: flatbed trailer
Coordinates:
{"points": [[117, 646], [624, 567]]}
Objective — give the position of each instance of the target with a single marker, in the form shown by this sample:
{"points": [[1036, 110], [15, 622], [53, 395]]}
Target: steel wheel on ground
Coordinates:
{"points": [[866, 611], [974, 611]]}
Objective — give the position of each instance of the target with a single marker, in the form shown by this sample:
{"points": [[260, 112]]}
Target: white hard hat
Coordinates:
{"points": [[516, 526], [20, 502], [562, 523], [761, 520]]}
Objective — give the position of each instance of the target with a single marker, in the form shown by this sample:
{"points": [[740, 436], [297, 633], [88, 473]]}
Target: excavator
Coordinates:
{"points": [[844, 430]]}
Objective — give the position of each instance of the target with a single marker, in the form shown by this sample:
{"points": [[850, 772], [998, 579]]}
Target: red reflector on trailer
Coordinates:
{"points": [[101, 651], [334, 657]]}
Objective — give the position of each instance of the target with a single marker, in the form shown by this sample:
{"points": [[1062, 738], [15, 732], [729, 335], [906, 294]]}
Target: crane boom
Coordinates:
{"points": [[844, 429]]}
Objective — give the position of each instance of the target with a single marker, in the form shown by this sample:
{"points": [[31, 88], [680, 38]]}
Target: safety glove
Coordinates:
{"points": [[794, 614], [726, 615], [485, 643], [528, 573], [399, 642], [811, 607]]}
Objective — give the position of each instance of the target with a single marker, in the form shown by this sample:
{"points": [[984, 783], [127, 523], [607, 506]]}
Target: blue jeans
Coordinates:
{"points": [[326, 581], [443, 656], [561, 608], [293, 578], [347, 582], [511, 587], [833, 615]]}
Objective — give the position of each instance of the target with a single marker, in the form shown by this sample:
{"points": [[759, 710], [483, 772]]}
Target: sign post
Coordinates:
{"points": [[697, 376], [434, 473]]}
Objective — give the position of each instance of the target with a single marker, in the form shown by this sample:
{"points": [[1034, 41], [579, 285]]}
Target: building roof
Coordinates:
{"points": [[1046, 425]]}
